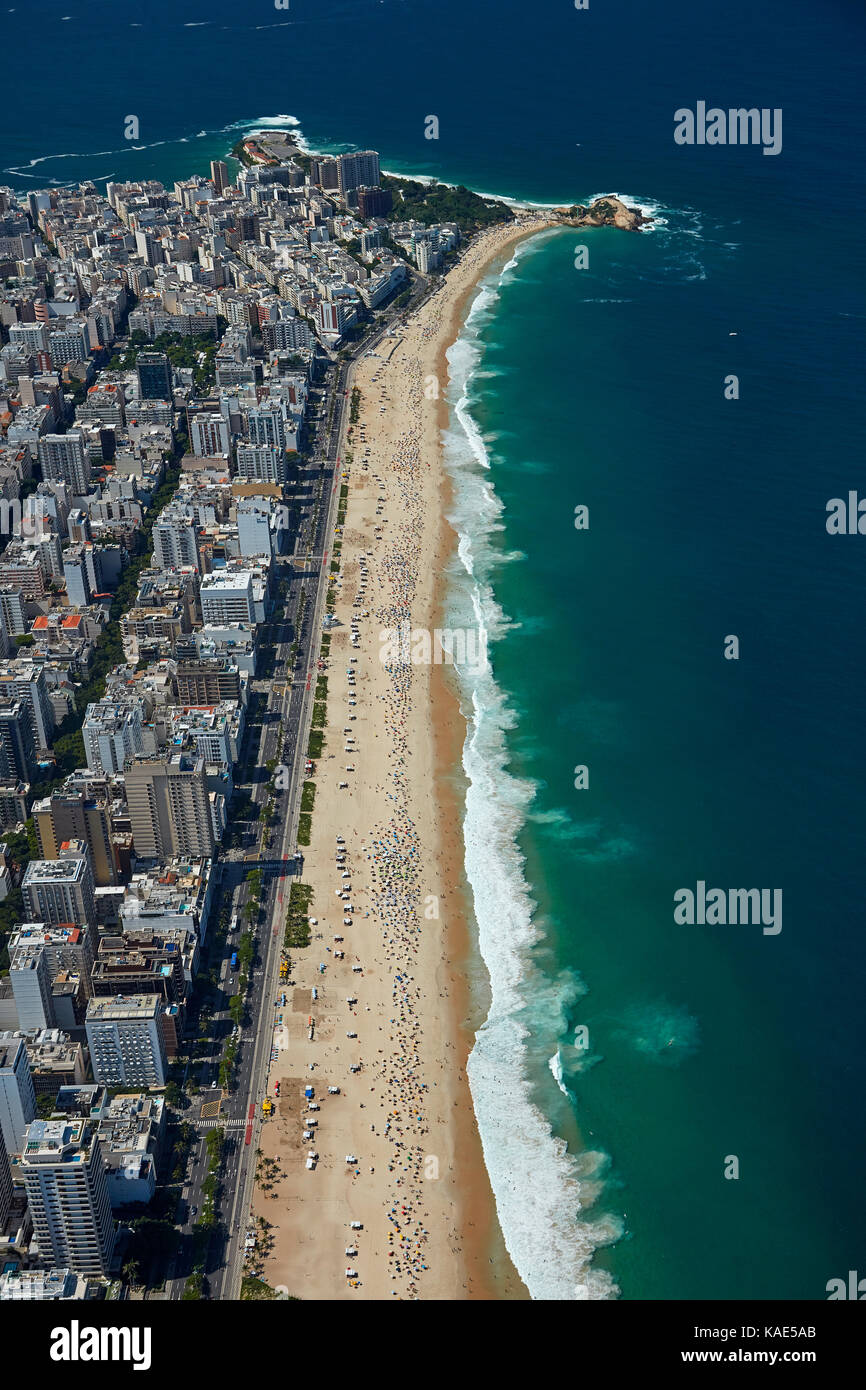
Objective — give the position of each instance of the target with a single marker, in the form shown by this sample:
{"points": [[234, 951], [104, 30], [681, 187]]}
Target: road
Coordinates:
{"points": [[288, 709], [294, 708]]}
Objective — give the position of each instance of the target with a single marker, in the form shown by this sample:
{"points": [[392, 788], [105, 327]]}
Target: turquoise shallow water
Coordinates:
{"points": [[603, 387]]}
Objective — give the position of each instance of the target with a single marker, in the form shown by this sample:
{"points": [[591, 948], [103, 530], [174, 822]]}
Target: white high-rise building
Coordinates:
{"points": [[22, 679], [71, 343], [255, 536], [32, 337], [333, 319], [31, 978], [175, 540], [227, 598], [209, 434], [125, 1040], [112, 734], [286, 334], [13, 609], [60, 891], [17, 1094], [266, 424], [84, 573], [63, 1173], [261, 463]]}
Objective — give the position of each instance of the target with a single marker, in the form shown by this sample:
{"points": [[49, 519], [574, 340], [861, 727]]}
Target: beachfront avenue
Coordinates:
{"points": [[281, 729]]}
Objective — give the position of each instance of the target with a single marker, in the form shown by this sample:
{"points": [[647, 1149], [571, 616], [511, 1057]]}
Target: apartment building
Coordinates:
{"points": [[63, 1173], [169, 807], [125, 1040]]}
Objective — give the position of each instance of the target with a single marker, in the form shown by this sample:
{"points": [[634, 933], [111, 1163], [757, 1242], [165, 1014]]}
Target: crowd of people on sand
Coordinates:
{"points": [[393, 854], [393, 848]]}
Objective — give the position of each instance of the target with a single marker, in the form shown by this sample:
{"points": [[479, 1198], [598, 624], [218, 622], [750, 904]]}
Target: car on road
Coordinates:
{"points": [[213, 1085]]}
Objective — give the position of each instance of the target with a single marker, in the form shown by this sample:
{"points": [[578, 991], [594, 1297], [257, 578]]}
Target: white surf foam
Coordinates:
{"points": [[542, 1191], [556, 1071]]}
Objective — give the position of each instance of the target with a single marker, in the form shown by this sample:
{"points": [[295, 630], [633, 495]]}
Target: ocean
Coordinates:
{"points": [[667, 1110]]}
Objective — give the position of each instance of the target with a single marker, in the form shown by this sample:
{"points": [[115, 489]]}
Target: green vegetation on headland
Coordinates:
{"points": [[239, 153], [244, 156], [436, 202]]}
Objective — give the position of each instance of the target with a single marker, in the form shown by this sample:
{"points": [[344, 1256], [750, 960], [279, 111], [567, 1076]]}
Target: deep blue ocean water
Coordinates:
{"points": [[603, 387]]}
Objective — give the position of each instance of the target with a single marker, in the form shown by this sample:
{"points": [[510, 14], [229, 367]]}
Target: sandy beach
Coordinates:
{"points": [[393, 1128]]}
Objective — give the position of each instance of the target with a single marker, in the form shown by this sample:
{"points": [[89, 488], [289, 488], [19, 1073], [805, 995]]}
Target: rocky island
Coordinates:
{"points": [[603, 212]]}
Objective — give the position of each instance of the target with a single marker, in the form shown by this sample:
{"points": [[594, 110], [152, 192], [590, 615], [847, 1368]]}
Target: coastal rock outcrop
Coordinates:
{"points": [[604, 212]]}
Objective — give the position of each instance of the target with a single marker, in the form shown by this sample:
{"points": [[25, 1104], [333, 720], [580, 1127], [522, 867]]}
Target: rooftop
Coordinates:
{"points": [[8, 1054], [123, 1006], [66, 933], [55, 1140], [227, 579], [66, 870]]}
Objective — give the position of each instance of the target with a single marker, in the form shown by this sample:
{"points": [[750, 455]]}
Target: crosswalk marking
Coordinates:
{"points": [[222, 1124]]}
